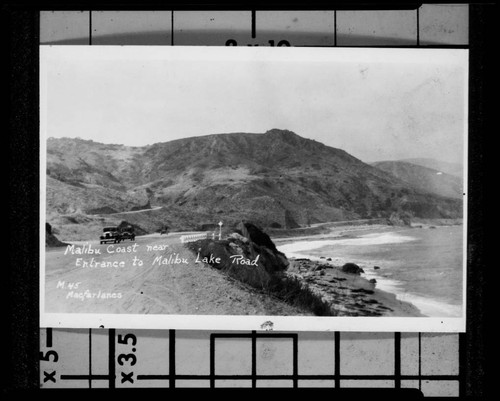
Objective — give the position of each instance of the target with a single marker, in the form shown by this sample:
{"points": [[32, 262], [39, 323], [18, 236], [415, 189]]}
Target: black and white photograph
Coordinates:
{"points": [[253, 188]]}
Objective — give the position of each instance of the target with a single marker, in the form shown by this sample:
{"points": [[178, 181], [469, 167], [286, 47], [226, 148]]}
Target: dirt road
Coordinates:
{"points": [[134, 211], [109, 278]]}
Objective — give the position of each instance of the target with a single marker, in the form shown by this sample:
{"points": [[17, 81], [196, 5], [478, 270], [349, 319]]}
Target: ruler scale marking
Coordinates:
{"points": [[397, 359], [111, 358], [172, 376], [171, 355]]}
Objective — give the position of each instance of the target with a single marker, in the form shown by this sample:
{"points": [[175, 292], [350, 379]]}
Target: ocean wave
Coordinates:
{"points": [[429, 307], [367, 239]]}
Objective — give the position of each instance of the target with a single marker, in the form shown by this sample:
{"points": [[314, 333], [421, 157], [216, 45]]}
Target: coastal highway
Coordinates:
{"points": [[155, 274]]}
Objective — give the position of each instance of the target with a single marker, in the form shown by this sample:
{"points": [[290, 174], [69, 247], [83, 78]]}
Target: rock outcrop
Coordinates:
{"points": [[399, 219], [352, 268], [50, 239], [248, 254]]}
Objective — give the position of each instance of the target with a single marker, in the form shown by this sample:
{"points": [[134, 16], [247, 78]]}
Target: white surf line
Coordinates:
{"points": [[333, 234], [368, 239], [427, 306], [431, 307]]}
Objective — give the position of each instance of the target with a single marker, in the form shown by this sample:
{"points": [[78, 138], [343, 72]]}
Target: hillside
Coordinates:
{"points": [[276, 179], [454, 169], [423, 178]]}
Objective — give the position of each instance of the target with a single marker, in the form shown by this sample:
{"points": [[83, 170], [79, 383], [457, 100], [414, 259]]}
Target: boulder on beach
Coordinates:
{"points": [[352, 268], [376, 267], [373, 281]]}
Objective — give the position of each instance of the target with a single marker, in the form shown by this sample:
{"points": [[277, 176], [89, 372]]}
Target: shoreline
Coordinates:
{"points": [[352, 231], [328, 228], [352, 294], [349, 294], [386, 290]]}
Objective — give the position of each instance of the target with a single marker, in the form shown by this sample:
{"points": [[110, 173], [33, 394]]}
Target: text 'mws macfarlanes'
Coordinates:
{"points": [[72, 287]]}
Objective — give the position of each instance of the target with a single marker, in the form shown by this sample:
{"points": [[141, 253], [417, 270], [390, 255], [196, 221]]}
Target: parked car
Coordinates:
{"points": [[127, 235], [110, 234]]}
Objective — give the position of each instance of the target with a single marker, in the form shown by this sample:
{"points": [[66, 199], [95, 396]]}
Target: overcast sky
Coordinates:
{"points": [[377, 104]]}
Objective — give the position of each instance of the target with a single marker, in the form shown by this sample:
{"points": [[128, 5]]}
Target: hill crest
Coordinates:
{"points": [[276, 178]]}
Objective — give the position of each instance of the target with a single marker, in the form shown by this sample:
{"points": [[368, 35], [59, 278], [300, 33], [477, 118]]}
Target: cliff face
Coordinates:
{"points": [[277, 179]]}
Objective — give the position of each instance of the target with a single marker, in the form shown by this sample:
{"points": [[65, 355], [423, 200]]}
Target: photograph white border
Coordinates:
{"points": [[229, 322]]}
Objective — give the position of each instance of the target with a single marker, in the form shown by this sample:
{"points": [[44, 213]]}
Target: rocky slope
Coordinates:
{"points": [[348, 293], [455, 169], [277, 179]]}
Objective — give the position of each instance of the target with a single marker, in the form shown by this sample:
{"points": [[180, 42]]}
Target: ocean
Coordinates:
{"points": [[423, 266]]}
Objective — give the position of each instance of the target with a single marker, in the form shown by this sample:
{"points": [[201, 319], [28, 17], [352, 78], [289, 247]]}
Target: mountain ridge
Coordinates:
{"points": [[274, 178], [424, 178], [455, 169]]}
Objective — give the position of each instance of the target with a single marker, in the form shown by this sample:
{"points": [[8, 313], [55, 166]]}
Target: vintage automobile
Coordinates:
{"points": [[127, 235], [110, 234]]}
